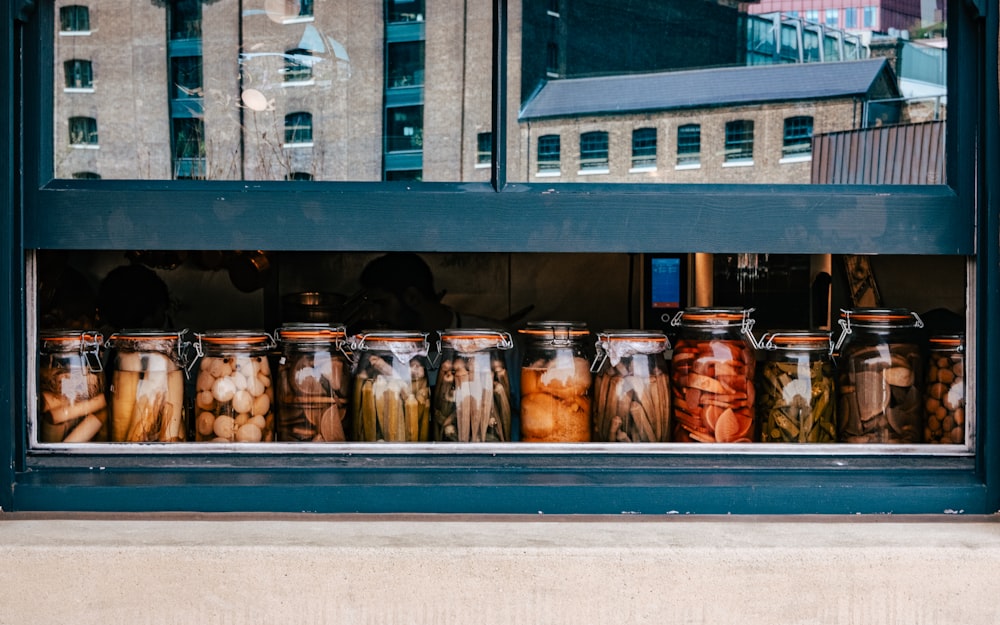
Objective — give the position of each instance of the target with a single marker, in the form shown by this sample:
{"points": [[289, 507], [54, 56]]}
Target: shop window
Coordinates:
{"points": [[298, 129], [548, 154], [484, 148], [797, 136], [689, 145], [739, 142], [298, 65], [74, 19], [83, 132], [79, 74], [594, 152], [644, 148]]}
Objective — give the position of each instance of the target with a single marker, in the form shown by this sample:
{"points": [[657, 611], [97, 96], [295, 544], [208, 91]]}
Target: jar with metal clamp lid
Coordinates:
{"points": [[944, 393], [795, 388], [712, 372], [392, 396], [472, 398], [555, 382], [880, 371], [72, 406], [631, 387], [234, 401], [147, 386], [314, 383]]}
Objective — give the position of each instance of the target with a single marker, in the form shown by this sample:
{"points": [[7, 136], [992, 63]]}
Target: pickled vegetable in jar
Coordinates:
{"points": [[472, 399], [944, 393], [631, 387], [555, 383], [712, 372], [314, 383], [880, 376], [392, 396], [234, 397], [147, 386], [795, 389], [72, 406]]}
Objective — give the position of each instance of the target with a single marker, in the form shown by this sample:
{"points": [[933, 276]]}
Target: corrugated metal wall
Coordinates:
{"points": [[901, 154]]}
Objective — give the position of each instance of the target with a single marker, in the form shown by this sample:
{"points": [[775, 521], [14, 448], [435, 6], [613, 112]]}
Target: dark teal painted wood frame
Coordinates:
{"points": [[961, 218]]}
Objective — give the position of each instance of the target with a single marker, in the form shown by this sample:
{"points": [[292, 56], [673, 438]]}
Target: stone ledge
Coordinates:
{"points": [[247, 569]]}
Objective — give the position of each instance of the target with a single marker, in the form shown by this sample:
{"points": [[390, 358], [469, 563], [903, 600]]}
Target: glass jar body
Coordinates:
{"points": [[72, 405], [880, 375], [712, 371], [944, 391], [795, 389], [392, 397], [234, 396], [314, 384], [472, 396], [555, 383], [632, 388], [147, 388]]}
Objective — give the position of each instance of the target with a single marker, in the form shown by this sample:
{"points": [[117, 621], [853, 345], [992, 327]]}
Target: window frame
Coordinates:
{"points": [[73, 12], [89, 132], [549, 165], [298, 129], [644, 148], [739, 142], [45, 213], [594, 152], [796, 145], [686, 157]]}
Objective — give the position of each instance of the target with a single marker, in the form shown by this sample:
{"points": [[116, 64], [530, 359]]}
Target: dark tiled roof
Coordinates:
{"points": [[724, 86]]}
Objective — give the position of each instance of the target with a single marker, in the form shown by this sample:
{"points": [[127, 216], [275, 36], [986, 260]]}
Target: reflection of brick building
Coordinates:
{"points": [[749, 124]]}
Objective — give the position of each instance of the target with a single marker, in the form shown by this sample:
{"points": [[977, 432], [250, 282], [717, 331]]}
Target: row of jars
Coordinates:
{"points": [[717, 384]]}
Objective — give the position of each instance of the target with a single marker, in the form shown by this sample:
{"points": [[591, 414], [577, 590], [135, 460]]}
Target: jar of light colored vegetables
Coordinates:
{"points": [[314, 383], [72, 407], [147, 386], [555, 383], [234, 394], [631, 387], [392, 396]]}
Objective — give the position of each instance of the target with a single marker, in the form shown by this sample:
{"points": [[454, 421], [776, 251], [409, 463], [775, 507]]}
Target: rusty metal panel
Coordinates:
{"points": [[898, 154]]}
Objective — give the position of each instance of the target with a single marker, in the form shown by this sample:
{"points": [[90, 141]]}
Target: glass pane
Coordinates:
{"points": [[324, 90], [716, 83]]}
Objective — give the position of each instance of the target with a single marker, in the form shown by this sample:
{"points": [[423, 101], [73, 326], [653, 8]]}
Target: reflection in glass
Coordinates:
{"points": [[298, 128], [548, 153], [404, 129], [405, 11], [82, 131], [79, 74], [298, 65], [185, 72], [185, 19], [405, 64], [644, 148], [74, 18], [732, 84]]}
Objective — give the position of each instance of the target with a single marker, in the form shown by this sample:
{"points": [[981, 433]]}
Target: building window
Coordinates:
{"points": [[185, 19], [789, 50], [594, 151], [405, 64], [810, 46], [798, 136], [79, 74], [552, 59], [82, 131], [831, 47], [299, 175], [74, 19], [404, 175], [188, 138], [739, 141], [185, 75], [405, 132], [850, 18], [832, 17], [644, 148], [86, 175], [484, 148], [869, 17], [405, 11], [548, 153], [298, 65], [305, 8], [298, 128], [812, 15], [689, 145]]}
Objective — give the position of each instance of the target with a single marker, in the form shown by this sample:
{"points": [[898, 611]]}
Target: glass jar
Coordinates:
{"points": [[314, 382], [880, 376], [234, 397], [944, 392], [795, 390], [472, 400], [631, 387], [147, 386], [712, 371], [72, 406], [392, 395], [555, 383]]}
